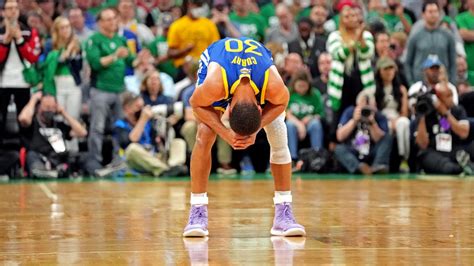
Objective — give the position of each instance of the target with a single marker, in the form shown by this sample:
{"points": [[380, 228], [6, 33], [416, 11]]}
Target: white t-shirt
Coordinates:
{"points": [[12, 74]]}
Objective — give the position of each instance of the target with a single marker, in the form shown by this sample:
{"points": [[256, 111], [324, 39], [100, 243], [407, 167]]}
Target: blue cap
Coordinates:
{"points": [[431, 61]]}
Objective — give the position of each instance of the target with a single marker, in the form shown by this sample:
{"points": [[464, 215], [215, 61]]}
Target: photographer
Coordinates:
{"points": [[432, 72], [136, 135], [364, 138], [441, 131], [47, 154]]}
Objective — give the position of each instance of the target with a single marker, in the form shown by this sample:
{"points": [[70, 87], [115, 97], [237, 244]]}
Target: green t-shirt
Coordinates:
{"points": [[304, 105], [62, 70], [394, 24], [252, 26], [107, 78], [158, 47], [268, 12], [465, 21]]}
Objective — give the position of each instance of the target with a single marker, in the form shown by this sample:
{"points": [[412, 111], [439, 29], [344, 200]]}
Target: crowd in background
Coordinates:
{"points": [[102, 87]]}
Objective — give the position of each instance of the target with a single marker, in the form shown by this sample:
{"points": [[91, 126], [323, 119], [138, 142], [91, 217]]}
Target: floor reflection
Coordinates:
{"points": [[284, 247], [198, 250]]}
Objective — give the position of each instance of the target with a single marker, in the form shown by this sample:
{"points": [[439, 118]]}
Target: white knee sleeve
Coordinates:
{"points": [[278, 140]]}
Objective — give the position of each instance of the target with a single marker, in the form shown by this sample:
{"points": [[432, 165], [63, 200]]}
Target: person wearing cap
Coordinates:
{"points": [[364, 140], [431, 68], [432, 39], [392, 100]]}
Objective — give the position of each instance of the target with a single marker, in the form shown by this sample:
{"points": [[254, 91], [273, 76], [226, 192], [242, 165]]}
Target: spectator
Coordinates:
{"points": [[286, 31], [441, 134], [308, 45], [220, 17], [364, 138], [61, 77], [432, 69], [304, 113], [126, 9], [319, 16], [249, 24], [466, 28], [191, 34], [395, 17], [89, 18], [461, 66], [19, 48], [35, 21], [392, 100], [293, 63], [159, 50], [382, 45], [46, 9], [352, 49], [136, 136], [157, 13], [77, 19], [324, 67], [152, 90], [430, 40], [47, 152], [108, 55]]}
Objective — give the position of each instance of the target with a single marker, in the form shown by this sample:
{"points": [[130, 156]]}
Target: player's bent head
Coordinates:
{"points": [[245, 118]]}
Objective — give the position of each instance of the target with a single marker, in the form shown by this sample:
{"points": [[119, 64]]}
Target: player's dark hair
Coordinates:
{"points": [[245, 118]]}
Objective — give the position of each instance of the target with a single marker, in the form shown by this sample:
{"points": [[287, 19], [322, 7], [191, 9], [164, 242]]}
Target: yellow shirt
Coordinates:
{"points": [[185, 31]]}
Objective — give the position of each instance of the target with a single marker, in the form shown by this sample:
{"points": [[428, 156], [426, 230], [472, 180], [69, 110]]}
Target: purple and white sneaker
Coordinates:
{"points": [[284, 223], [197, 225]]}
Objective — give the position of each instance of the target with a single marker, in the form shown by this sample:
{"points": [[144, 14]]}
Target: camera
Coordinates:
{"points": [[165, 110], [366, 112], [425, 103]]}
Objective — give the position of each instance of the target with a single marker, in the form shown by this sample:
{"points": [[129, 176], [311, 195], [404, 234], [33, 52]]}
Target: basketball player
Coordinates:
{"points": [[239, 74]]}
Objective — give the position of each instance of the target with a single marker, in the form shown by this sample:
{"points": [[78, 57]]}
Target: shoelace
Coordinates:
{"points": [[286, 215], [197, 216]]}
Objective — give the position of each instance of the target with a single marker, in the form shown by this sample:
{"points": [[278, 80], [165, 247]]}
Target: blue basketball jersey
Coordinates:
{"points": [[238, 58]]}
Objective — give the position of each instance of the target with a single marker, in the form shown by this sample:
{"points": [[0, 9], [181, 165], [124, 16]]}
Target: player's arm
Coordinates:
{"points": [[202, 99], [277, 97]]}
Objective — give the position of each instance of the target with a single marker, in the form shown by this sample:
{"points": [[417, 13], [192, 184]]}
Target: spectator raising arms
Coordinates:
{"points": [[62, 67], [19, 47], [352, 49]]}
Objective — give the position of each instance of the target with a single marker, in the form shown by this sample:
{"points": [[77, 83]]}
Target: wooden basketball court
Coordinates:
{"points": [[349, 221]]}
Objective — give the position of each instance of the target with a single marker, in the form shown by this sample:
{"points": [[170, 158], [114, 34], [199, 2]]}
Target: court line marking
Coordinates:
{"points": [[48, 192]]}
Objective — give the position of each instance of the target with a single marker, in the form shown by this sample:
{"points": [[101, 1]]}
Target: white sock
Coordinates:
{"points": [[199, 199], [282, 197]]}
